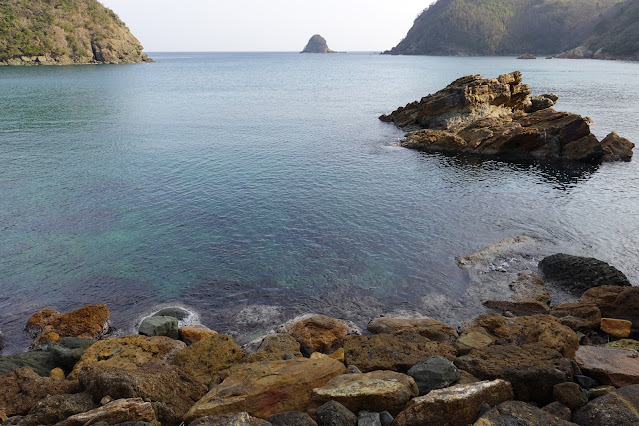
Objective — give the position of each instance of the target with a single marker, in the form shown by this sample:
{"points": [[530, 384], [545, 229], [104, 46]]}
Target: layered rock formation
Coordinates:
{"points": [[43, 32], [317, 44], [497, 116]]}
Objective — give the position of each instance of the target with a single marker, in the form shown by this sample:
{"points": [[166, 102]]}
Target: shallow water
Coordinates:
{"points": [[225, 181]]}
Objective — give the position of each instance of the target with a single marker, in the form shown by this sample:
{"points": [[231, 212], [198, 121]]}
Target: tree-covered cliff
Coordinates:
{"points": [[493, 27], [64, 32]]}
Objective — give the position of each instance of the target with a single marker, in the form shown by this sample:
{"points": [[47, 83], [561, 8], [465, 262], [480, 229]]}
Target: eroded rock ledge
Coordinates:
{"points": [[498, 116]]}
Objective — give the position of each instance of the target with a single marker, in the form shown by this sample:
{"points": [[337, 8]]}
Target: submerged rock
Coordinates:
{"points": [[577, 274], [496, 116], [317, 44]]}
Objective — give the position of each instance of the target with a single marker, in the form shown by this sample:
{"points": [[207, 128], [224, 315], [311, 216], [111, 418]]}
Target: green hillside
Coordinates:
{"points": [[64, 32], [617, 32], [494, 27]]}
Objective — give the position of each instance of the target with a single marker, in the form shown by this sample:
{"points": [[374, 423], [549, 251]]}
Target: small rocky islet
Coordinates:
{"points": [[499, 117], [317, 44], [526, 362]]}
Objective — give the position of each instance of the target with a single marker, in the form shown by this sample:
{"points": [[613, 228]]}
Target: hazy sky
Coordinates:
{"points": [[267, 25]]}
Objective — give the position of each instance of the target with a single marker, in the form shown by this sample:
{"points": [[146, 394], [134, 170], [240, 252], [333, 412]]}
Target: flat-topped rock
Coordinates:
{"points": [[612, 366], [317, 44], [425, 326], [115, 412]]}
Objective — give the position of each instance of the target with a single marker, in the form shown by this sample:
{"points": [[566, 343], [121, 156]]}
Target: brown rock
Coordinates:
{"points": [[528, 307], [129, 352], [545, 330], [318, 333], [616, 327], [264, 389], [194, 333], [209, 356], [37, 321], [171, 391], [376, 391], [466, 378], [578, 315], [56, 408], [392, 352], [292, 418], [119, 411], [532, 369], [3, 416], [239, 419], [458, 405], [22, 388], [558, 409], [90, 321], [616, 302], [57, 374], [625, 344], [274, 347], [617, 148], [601, 391], [473, 338], [520, 414], [338, 355], [620, 407], [570, 395], [427, 327], [609, 366]]}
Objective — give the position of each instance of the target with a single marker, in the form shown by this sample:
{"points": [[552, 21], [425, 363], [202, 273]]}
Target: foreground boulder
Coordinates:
{"points": [[533, 370], [392, 352], [577, 274], [264, 389], [433, 373], [318, 333], [171, 391], [56, 408], [519, 413], [427, 327], [496, 116], [620, 407], [544, 330], [335, 414], [21, 389], [119, 411], [90, 321], [204, 359], [239, 419], [128, 352], [375, 391], [609, 366], [275, 347], [616, 302], [454, 406]]}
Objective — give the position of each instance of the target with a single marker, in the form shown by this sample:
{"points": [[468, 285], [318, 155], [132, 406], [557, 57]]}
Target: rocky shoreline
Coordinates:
{"points": [[528, 362], [499, 117]]}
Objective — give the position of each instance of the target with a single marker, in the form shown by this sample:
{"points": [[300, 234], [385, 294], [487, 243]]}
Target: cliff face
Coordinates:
{"points": [[317, 44], [494, 27], [64, 32], [616, 34]]}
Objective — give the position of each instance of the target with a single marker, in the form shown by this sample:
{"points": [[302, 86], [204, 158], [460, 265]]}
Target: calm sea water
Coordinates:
{"points": [[228, 180]]}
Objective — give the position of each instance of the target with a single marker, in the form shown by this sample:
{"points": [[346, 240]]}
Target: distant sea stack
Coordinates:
{"points": [[510, 27], [64, 32], [317, 44]]}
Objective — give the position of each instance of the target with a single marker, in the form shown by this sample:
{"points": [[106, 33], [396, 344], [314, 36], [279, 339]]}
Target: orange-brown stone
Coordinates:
{"points": [[616, 327]]}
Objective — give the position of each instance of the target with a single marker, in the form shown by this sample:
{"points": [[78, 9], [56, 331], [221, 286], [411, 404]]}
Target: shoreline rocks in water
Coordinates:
{"points": [[318, 370], [497, 116]]}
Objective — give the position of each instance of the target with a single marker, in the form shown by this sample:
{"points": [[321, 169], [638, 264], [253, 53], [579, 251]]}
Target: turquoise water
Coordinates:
{"points": [[223, 180]]}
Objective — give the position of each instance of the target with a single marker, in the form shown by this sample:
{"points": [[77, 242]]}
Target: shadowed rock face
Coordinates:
{"points": [[317, 44], [496, 116]]}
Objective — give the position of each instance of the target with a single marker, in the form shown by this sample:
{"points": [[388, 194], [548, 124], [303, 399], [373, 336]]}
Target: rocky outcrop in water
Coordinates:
{"points": [[317, 44], [497, 116]]}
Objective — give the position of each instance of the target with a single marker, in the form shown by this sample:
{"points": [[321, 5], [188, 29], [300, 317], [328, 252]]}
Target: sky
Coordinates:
{"points": [[266, 25]]}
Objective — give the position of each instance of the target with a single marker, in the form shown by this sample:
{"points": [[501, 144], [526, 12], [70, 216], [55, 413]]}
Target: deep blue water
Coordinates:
{"points": [[227, 179]]}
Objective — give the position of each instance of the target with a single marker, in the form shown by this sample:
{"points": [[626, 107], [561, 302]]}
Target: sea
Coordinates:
{"points": [[253, 187]]}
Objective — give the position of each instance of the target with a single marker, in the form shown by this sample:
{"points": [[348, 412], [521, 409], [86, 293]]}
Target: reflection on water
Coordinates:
{"points": [[230, 181]]}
